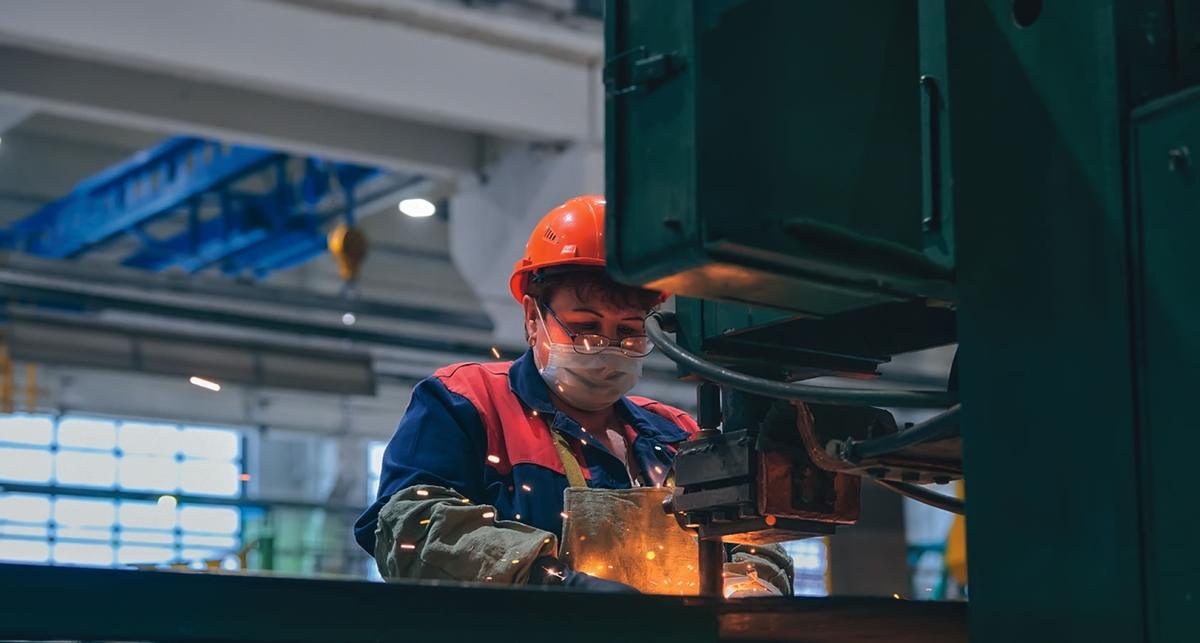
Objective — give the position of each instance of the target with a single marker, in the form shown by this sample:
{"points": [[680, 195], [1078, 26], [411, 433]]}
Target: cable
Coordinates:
{"points": [[789, 390], [925, 496], [923, 432]]}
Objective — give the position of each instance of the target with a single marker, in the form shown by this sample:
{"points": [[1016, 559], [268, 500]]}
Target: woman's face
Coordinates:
{"points": [[581, 317]]}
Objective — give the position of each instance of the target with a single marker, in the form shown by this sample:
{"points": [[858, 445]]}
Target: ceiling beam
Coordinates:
{"points": [[404, 63], [121, 95]]}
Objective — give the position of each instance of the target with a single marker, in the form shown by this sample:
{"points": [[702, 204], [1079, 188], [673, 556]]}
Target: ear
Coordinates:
{"points": [[531, 317]]}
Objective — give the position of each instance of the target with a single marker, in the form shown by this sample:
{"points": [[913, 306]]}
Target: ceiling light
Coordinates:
{"points": [[203, 383], [167, 502], [417, 208], [349, 319]]}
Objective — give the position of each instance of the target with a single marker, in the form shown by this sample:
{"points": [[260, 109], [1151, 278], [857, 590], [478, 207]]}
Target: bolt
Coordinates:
{"points": [[1177, 159]]}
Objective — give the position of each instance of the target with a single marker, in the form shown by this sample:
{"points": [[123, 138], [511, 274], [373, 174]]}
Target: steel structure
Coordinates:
{"points": [[242, 209]]}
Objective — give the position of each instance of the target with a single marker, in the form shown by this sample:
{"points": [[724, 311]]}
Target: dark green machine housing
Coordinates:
{"points": [[802, 202]]}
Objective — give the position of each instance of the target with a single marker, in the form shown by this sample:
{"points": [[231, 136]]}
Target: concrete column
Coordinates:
{"points": [[492, 216]]}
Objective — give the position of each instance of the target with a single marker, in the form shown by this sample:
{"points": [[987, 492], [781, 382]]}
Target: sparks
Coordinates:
{"points": [[660, 546], [495, 352], [649, 555], [564, 515], [425, 522], [488, 578], [583, 537], [489, 514], [896, 596], [518, 516], [494, 459], [535, 414], [753, 550], [561, 389], [466, 501], [583, 429], [527, 487], [422, 492], [770, 521], [546, 540], [516, 560], [658, 469], [408, 546]]}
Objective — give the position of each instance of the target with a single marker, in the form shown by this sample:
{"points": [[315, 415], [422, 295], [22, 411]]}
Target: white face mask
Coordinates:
{"points": [[588, 382]]}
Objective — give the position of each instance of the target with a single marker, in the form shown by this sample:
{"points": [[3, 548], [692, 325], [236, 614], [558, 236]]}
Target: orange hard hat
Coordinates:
{"points": [[570, 235]]}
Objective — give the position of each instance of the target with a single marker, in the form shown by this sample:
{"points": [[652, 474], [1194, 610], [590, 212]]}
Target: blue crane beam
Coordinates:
{"points": [[181, 177], [145, 187]]}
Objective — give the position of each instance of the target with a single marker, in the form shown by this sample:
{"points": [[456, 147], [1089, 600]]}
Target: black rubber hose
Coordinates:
{"points": [[791, 390], [923, 495], [923, 432]]}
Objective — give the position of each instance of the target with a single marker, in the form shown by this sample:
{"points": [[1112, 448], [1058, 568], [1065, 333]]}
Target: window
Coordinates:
{"points": [[61, 514], [374, 468], [374, 472], [811, 559]]}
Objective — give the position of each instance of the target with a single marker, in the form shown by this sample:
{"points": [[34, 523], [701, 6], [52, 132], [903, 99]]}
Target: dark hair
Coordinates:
{"points": [[592, 284]]}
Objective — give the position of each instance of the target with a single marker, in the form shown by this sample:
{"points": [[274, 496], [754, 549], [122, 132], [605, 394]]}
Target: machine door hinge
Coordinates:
{"points": [[637, 70]]}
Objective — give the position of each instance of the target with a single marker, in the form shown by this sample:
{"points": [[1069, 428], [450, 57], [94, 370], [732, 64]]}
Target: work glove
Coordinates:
{"points": [[759, 570], [548, 571]]}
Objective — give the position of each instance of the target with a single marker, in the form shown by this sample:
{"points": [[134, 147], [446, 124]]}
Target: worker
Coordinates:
{"points": [[472, 481]]}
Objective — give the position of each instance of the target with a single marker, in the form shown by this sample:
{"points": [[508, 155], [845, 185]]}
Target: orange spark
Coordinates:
{"points": [[489, 514], [527, 487], [494, 459], [422, 492], [408, 546]]}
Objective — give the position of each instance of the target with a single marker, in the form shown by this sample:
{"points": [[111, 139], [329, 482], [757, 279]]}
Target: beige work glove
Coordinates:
{"points": [[429, 532], [759, 570]]}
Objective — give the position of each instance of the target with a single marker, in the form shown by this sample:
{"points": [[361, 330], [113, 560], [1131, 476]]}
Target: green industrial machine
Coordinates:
{"points": [[829, 184], [780, 161]]}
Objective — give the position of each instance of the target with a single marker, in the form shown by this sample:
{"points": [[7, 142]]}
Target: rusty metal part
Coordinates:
{"points": [[825, 429]]}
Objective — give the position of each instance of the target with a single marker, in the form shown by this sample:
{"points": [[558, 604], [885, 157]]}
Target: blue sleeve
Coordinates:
{"points": [[440, 441]]}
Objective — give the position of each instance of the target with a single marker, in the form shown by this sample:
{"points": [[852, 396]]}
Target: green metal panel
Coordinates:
{"points": [[1166, 140], [744, 167], [1053, 425]]}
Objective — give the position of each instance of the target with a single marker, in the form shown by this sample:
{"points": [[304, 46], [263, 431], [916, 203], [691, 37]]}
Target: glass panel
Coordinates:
{"points": [[375, 458], [213, 444], [23, 507], [190, 555], [144, 555], [146, 515], [24, 551], [149, 473], [213, 520], [225, 543], [83, 554], [86, 468], [83, 533], [139, 536], [87, 433], [209, 477], [26, 429], [12, 529], [148, 439], [76, 512], [25, 465]]}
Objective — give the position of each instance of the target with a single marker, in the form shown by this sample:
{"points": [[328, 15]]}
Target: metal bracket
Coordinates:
{"points": [[645, 70]]}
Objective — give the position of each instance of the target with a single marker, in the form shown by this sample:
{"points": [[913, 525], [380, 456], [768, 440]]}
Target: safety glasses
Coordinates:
{"points": [[592, 344]]}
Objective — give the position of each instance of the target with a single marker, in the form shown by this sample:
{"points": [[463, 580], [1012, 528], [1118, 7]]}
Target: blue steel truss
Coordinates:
{"points": [[201, 184]]}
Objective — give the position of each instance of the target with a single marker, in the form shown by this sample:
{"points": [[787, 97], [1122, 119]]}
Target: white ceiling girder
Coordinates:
{"points": [[12, 113], [121, 95], [326, 56]]}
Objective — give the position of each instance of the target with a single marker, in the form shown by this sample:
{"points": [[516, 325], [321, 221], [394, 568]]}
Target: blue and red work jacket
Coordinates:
{"points": [[484, 431]]}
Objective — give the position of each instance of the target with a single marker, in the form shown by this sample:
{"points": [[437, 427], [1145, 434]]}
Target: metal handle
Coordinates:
{"points": [[931, 152]]}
